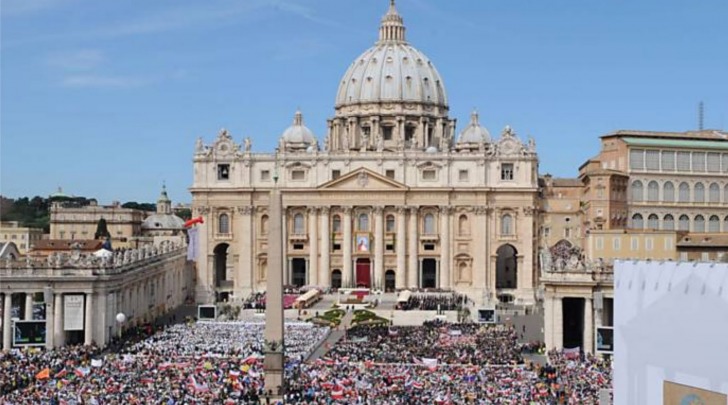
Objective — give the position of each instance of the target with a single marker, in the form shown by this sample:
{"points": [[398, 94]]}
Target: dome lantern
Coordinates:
{"points": [[392, 27]]}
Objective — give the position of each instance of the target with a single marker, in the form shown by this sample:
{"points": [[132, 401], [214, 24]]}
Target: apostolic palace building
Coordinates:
{"points": [[393, 196]]}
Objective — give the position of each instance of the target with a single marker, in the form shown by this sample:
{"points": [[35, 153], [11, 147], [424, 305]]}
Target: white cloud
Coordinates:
{"points": [[99, 81], [84, 59]]}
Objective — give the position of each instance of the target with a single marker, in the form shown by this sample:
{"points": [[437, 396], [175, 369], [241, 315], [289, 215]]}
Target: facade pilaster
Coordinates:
{"points": [[245, 279], [379, 247], [588, 325], [325, 274], [401, 246], [558, 323], [412, 238], [28, 306], [313, 261], [59, 336], [548, 322], [445, 247], [88, 330], [347, 276], [7, 326]]}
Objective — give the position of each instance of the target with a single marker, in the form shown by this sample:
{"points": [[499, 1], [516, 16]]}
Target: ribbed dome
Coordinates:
{"points": [[163, 221], [391, 70], [474, 132], [298, 133]]}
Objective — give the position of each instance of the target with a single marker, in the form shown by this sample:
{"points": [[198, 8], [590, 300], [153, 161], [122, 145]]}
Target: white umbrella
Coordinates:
{"points": [[103, 253]]}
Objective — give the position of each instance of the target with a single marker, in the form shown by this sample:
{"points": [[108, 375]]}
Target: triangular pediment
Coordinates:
{"points": [[362, 179]]}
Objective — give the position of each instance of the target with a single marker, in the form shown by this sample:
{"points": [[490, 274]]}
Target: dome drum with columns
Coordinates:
{"points": [[393, 198]]}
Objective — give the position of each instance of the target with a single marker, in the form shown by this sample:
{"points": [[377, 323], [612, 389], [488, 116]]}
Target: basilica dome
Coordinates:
{"points": [[391, 71], [298, 133]]}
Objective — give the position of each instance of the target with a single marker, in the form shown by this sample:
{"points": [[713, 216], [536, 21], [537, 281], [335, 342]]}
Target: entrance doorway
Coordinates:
{"points": [[363, 273], [506, 268], [429, 273], [298, 272], [389, 281], [573, 325], [221, 252], [336, 279]]}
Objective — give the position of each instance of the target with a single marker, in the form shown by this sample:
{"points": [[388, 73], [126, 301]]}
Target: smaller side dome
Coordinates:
{"points": [[298, 136], [474, 132]]}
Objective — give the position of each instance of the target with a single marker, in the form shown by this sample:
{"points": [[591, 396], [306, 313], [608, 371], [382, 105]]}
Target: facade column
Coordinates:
{"points": [[346, 276], [59, 336], [379, 248], [88, 329], [204, 290], [325, 271], [413, 238], [28, 306], [558, 323], [445, 247], [548, 321], [7, 327], [588, 326], [313, 247], [245, 279], [401, 246], [49, 318]]}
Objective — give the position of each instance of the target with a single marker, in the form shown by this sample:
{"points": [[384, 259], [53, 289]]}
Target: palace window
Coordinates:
{"points": [[429, 174], [428, 224], [463, 225], [387, 133], [699, 224], [507, 225], [463, 175], [713, 164], [507, 171], [714, 193], [336, 224], [684, 192], [223, 225], [668, 192], [699, 192], [683, 223], [683, 161], [652, 159], [390, 223], [668, 223], [668, 161], [698, 162], [653, 191], [265, 175], [335, 174], [636, 159], [653, 222], [637, 221], [223, 172], [637, 192], [389, 173], [298, 175], [363, 223], [714, 224], [298, 224]]}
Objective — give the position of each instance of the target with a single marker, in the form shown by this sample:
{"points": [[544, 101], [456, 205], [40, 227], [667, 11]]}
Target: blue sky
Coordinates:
{"points": [[106, 98]]}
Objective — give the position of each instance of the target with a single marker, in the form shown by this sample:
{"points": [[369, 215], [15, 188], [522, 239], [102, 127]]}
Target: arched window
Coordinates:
{"points": [[653, 191], [264, 225], [653, 222], [299, 226], [637, 192], [683, 223], [637, 221], [699, 192], [725, 194], [668, 223], [390, 223], [428, 224], [668, 192], [336, 224], [714, 224], [714, 195], [684, 194], [507, 224], [699, 225], [725, 224], [463, 225], [223, 224], [363, 223]]}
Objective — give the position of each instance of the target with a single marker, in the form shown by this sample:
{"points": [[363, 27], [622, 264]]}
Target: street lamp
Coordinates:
{"points": [[120, 319]]}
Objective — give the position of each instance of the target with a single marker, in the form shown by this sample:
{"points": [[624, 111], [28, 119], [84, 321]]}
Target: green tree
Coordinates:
{"points": [[101, 230]]}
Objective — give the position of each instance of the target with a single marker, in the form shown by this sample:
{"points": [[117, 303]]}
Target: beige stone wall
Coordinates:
{"points": [[23, 237], [611, 245], [80, 223]]}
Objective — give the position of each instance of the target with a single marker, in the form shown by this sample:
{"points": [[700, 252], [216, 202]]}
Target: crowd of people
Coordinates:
{"points": [[433, 302], [221, 362]]}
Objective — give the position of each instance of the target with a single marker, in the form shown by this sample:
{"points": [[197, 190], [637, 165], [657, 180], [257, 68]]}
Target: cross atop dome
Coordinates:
{"points": [[392, 27]]}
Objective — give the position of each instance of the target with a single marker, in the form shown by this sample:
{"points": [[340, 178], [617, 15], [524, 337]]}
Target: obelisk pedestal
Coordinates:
{"points": [[273, 364]]}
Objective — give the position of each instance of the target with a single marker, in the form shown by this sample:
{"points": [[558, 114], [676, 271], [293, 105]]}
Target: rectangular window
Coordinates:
{"points": [[668, 161], [547, 231], [637, 159], [599, 242], [298, 175], [652, 160], [699, 162], [390, 247], [389, 173], [668, 244], [634, 243], [387, 133], [713, 162], [223, 172], [683, 256], [616, 243], [298, 246], [265, 175], [567, 232], [336, 247], [648, 244], [429, 246], [683, 161], [705, 256], [600, 193], [429, 174], [335, 174], [724, 162], [507, 171], [463, 175]]}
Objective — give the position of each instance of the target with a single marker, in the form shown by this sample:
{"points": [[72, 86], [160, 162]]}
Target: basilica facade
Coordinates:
{"points": [[393, 196]]}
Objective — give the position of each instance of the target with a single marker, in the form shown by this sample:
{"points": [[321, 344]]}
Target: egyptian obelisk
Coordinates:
{"points": [[274, 357]]}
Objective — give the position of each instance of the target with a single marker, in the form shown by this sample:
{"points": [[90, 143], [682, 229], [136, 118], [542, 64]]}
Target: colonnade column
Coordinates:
{"points": [[245, 279], [58, 334], [548, 321], [28, 307], [412, 236], [313, 246], [379, 247], [445, 247], [558, 323], [7, 328], [588, 326], [88, 329], [346, 277], [325, 272], [401, 246]]}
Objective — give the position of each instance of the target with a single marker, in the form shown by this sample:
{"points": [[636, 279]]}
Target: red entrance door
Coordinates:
{"points": [[363, 273]]}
